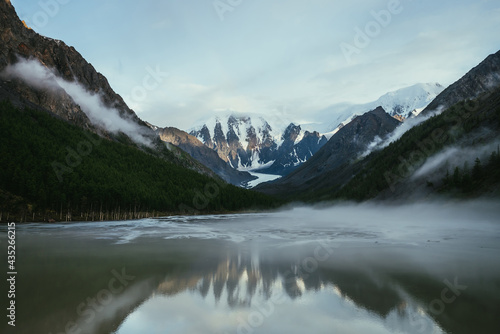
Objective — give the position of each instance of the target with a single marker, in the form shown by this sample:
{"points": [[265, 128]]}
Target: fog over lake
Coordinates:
{"points": [[422, 268]]}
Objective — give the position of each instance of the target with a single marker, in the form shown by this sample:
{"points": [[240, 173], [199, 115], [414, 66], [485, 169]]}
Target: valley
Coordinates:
{"points": [[238, 167]]}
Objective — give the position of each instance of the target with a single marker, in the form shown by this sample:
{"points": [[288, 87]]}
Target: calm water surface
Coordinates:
{"points": [[351, 269]]}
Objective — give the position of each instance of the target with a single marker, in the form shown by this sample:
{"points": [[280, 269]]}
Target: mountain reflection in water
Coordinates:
{"points": [[246, 294], [348, 269]]}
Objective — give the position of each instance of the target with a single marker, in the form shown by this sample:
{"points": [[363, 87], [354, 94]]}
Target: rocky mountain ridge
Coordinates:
{"points": [[483, 78], [63, 68], [19, 42], [429, 149], [328, 165], [250, 143], [204, 155], [402, 104]]}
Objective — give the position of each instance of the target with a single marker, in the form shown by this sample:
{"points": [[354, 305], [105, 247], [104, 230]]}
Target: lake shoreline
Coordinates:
{"points": [[51, 217], [6, 218], [351, 268]]}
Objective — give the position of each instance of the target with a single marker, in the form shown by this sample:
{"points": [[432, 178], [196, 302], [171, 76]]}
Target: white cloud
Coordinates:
{"points": [[35, 74], [455, 156], [286, 51], [380, 143]]}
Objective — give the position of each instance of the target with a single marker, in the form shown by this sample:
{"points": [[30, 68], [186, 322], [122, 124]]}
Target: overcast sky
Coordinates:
{"points": [[267, 56]]}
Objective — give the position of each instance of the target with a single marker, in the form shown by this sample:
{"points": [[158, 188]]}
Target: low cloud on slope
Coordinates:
{"points": [[381, 143], [36, 75], [452, 157]]}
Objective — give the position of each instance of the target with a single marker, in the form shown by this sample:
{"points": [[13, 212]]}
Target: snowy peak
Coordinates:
{"points": [[250, 131], [252, 142], [292, 132], [240, 140], [404, 102], [401, 104]]}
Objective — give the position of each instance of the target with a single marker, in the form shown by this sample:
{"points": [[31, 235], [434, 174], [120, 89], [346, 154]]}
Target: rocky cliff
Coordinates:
{"points": [[297, 147], [19, 42], [329, 166], [253, 143], [481, 79], [204, 155]]}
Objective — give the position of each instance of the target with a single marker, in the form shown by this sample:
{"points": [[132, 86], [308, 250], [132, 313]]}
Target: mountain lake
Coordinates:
{"points": [[421, 268]]}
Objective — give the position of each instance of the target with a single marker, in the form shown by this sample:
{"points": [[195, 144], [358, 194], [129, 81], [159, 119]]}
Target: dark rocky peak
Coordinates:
{"points": [[252, 139], [366, 125], [291, 132], [232, 121], [481, 79], [335, 156], [205, 135], [19, 42], [232, 133], [219, 135], [9, 17], [379, 111], [267, 138], [291, 154], [311, 137], [251, 131], [267, 127], [311, 143]]}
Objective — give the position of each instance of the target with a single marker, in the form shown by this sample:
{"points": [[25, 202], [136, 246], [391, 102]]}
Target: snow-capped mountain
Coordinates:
{"points": [[402, 104], [279, 146], [330, 166], [410, 100], [250, 143]]}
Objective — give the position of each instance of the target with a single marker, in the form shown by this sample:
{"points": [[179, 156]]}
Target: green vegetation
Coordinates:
{"points": [[466, 181], [53, 170], [386, 169]]}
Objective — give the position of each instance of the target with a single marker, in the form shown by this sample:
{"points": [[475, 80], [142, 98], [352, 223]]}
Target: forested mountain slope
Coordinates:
{"points": [[53, 170], [454, 153]]}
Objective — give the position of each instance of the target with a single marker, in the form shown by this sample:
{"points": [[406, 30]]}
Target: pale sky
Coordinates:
{"points": [[267, 56]]}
